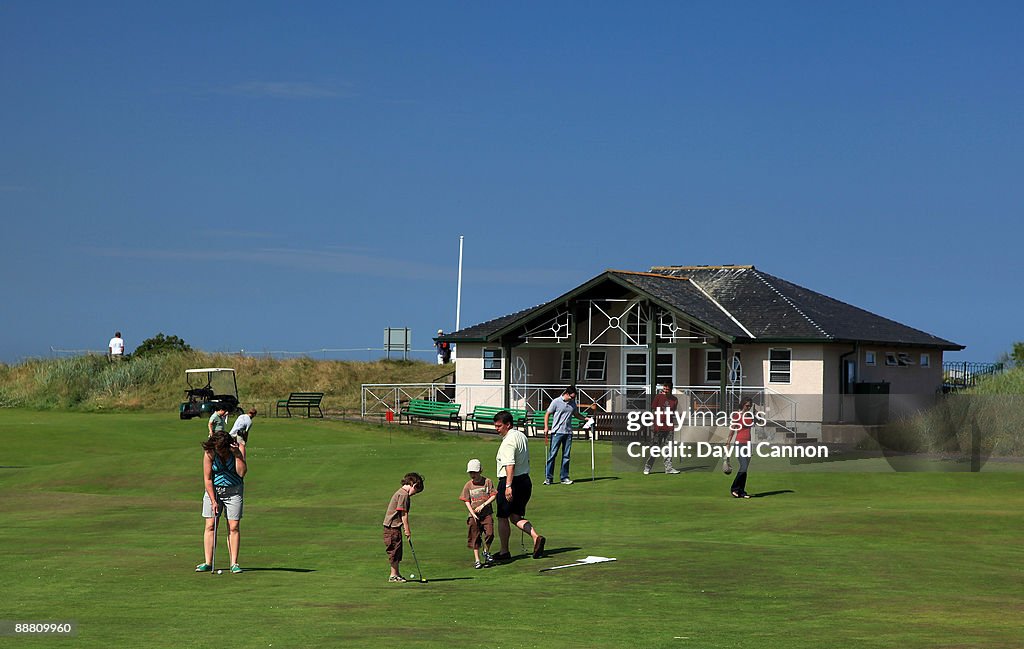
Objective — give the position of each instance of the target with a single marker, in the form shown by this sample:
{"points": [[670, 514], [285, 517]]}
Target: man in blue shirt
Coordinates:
{"points": [[558, 420]]}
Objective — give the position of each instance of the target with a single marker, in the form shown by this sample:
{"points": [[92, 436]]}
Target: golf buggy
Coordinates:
{"points": [[208, 389]]}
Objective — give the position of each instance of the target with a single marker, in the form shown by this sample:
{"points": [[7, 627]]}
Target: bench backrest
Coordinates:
{"points": [[611, 422], [537, 419], [303, 398], [427, 407], [483, 412]]}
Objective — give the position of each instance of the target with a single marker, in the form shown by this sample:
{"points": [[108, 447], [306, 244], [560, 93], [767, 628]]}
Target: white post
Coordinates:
{"points": [[458, 299]]}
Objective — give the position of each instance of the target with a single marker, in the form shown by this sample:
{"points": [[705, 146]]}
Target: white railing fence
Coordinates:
{"points": [[378, 398]]}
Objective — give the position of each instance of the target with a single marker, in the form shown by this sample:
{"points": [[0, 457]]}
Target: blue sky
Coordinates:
{"points": [[289, 177]]}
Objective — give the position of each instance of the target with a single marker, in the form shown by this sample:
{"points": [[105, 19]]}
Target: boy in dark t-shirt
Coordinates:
{"points": [[478, 494]]}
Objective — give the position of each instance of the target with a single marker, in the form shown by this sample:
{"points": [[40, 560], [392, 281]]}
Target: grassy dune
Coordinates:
{"points": [[90, 383]]}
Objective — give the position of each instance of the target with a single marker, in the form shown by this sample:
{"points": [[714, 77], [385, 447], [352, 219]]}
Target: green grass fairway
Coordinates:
{"points": [[101, 525]]}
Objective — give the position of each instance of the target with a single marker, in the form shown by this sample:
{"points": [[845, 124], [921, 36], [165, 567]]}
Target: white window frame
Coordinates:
{"points": [[669, 364], [597, 371], [492, 356], [891, 360], [926, 360], [772, 372], [870, 358]]}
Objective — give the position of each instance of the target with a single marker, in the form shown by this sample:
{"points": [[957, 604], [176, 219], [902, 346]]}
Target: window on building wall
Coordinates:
{"points": [[566, 373], [926, 360], [713, 366], [780, 365], [596, 364], [492, 364], [898, 359], [869, 358]]}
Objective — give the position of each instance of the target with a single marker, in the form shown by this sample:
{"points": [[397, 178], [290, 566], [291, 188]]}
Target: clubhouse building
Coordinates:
{"points": [[717, 333]]}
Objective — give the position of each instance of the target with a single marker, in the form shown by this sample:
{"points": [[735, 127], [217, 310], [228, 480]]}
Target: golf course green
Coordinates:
{"points": [[101, 527]]}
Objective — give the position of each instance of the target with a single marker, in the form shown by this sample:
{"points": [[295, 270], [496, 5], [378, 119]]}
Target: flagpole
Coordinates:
{"points": [[458, 299]]}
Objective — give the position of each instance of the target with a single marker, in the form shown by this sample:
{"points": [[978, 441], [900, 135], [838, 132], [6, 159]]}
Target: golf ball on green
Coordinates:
{"points": [[220, 572], [412, 574]]}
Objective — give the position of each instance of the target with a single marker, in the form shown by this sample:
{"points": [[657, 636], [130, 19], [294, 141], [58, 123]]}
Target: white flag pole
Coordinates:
{"points": [[458, 298]]}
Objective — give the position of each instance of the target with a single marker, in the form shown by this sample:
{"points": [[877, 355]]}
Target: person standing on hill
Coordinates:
{"points": [[444, 349], [115, 348]]}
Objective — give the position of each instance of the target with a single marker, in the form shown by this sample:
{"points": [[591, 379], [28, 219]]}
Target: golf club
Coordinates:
{"points": [[213, 556], [418, 569]]}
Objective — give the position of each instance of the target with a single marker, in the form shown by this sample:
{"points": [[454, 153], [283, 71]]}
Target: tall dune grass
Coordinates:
{"points": [[92, 383]]}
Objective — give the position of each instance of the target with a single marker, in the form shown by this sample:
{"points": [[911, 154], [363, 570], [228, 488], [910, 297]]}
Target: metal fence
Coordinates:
{"points": [[960, 375], [324, 353], [378, 399]]}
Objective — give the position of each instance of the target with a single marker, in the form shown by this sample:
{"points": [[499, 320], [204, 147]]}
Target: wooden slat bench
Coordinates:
{"points": [[433, 410], [298, 400], [484, 415], [613, 425]]}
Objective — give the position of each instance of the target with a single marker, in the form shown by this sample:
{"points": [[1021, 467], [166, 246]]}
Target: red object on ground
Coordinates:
{"points": [[390, 416]]}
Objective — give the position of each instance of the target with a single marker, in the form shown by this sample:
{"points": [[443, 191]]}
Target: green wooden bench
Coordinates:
{"points": [[536, 420], [433, 410], [307, 400], [484, 415]]}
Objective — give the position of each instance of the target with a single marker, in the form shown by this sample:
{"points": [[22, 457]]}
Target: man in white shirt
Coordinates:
{"points": [[240, 430], [115, 347], [514, 486]]}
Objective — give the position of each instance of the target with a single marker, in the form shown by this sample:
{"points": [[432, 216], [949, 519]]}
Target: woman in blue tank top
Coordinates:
{"points": [[224, 469]]}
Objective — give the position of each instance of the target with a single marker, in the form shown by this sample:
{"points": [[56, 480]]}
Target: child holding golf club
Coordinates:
{"points": [[396, 518], [478, 494], [224, 469]]}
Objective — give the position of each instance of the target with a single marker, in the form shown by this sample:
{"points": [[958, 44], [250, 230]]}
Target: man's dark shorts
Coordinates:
{"points": [[522, 489]]}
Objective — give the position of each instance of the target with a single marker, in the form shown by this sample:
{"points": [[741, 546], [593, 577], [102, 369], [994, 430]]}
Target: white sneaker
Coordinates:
{"points": [[567, 481], [647, 470], [671, 471]]}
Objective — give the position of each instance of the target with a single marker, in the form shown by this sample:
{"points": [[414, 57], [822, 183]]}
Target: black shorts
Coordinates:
{"points": [[522, 489]]}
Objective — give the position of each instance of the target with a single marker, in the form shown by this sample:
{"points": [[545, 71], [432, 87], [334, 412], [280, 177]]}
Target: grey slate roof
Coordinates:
{"points": [[682, 295], [482, 330], [745, 304], [772, 308]]}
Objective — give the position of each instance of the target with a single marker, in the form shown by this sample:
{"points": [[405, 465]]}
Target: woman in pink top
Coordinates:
{"points": [[741, 422]]}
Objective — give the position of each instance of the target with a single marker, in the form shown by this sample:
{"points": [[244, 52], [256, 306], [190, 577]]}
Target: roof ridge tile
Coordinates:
{"points": [[791, 303]]}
